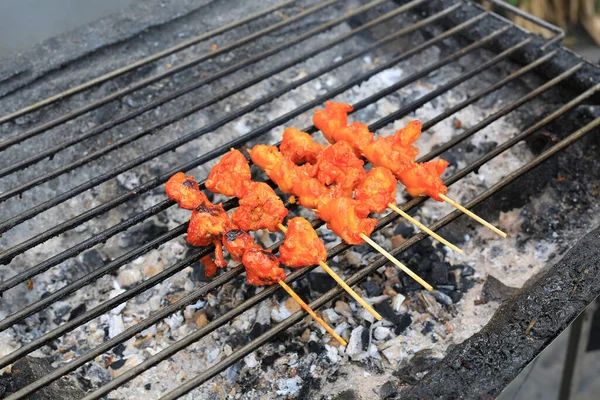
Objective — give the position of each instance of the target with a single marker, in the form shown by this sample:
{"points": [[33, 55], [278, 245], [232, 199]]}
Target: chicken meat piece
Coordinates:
{"points": [[208, 223], [424, 179], [377, 190], [343, 218], [237, 242], [339, 165], [311, 193], [357, 135], [299, 146], [260, 208], [280, 169], [185, 191], [302, 247], [210, 268], [332, 118], [230, 175], [262, 267], [393, 152]]}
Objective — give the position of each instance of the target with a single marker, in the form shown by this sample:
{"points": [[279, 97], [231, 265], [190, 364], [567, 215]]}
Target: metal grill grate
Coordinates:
{"points": [[7, 255]]}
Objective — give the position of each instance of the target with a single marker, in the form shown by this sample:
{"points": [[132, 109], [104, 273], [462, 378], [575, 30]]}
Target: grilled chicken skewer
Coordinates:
{"points": [[261, 208], [210, 224], [395, 152], [346, 216]]}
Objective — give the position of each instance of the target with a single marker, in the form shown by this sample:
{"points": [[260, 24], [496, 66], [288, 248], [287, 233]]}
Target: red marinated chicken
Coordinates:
{"points": [[394, 151], [262, 267], [377, 190], [185, 191], [260, 208], [230, 175], [299, 146], [302, 247], [357, 135], [339, 165], [332, 118], [424, 179], [237, 242], [343, 218], [277, 167]]}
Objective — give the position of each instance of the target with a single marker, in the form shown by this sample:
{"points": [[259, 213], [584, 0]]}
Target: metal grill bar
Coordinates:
{"points": [[380, 261], [556, 114], [4, 226], [139, 63], [180, 92], [155, 78], [154, 128]]}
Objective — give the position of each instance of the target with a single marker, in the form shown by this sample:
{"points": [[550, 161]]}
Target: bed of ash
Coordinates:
{"points": [[304, 362]]}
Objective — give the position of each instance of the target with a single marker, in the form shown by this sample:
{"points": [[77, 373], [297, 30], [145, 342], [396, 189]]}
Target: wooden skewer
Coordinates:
{"points": [[396, 262], [345, 286], [312, 313], [472, 215], [424, 228]]}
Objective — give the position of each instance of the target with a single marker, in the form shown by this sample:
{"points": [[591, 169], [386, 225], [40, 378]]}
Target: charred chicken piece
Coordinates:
{"points": [[262, 267], [299, 146], [230, 175], [377, 190], [344, 219], [424, 179], [332, 118], [338, 165], [260, 208], [237, 242], [185, 191], [302, 247]]}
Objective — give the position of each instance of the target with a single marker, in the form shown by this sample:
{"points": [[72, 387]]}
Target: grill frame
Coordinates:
{"points": [[337, 250]]}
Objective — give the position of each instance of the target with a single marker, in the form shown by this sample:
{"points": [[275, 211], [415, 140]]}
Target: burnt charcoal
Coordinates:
{"points": [[442, 298], [388, 390], [364, 338], [316, 347], [5, 385], [470, 147], [486, 147], [405, 230], [257, 330], [198, 272], [372, 288], [495, 252], [119, 350], [427, 327], [142, 233], [494, 290], [117, 364], [456, 296], [347, 395], [238, 339], [320, 282], [439, 273], [466, 284], [434, 258], [267, 361], [92, 259], [30, 369], [148, 386], [77, 311], [467, 271], [401, 322]]}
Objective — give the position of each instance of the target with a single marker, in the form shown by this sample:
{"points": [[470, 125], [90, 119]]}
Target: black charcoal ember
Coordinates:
{"points": [[439, 273], [372, 288], [142, 233], [456, 296], [494, 290], [388, 390], [347, 395], [198, 272], [77, 311], [427, 327], [5, 385], [148, 386], [92, 259], [441, 297], [117, 364], [316, 347], [404, 230], [29, 369], [422, 361], [119, 350], [467, 271], [320, 282], [400, 321]]}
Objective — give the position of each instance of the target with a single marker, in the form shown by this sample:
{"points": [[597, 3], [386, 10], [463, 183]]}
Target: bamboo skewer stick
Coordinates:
{"points": [[344, 285], [424, 228], [312, 313], [473, 215], [396, 262]]}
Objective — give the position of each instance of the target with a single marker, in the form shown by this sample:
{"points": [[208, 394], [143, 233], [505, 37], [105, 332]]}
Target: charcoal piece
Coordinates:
{"points": [[404, 230], [117, 364], [439, 273], [316, 347], [401, 322], [427, 327], [467, 271], [77, 311], [372, 288], [494, 290], [320, 282], [5, 385], [257, 330], [92, 259], [456, 296], [198, 272], [388, 390], [422, 361], [142, 233], [148, 386], [347, 395], [30, 369]]}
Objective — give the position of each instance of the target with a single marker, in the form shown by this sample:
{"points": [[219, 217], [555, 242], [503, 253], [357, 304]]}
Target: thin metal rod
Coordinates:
{"points": [[197, 107], [4, 226], [50, 152], [147, 81], [171, 350], [363, 273], [139, 63]]}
